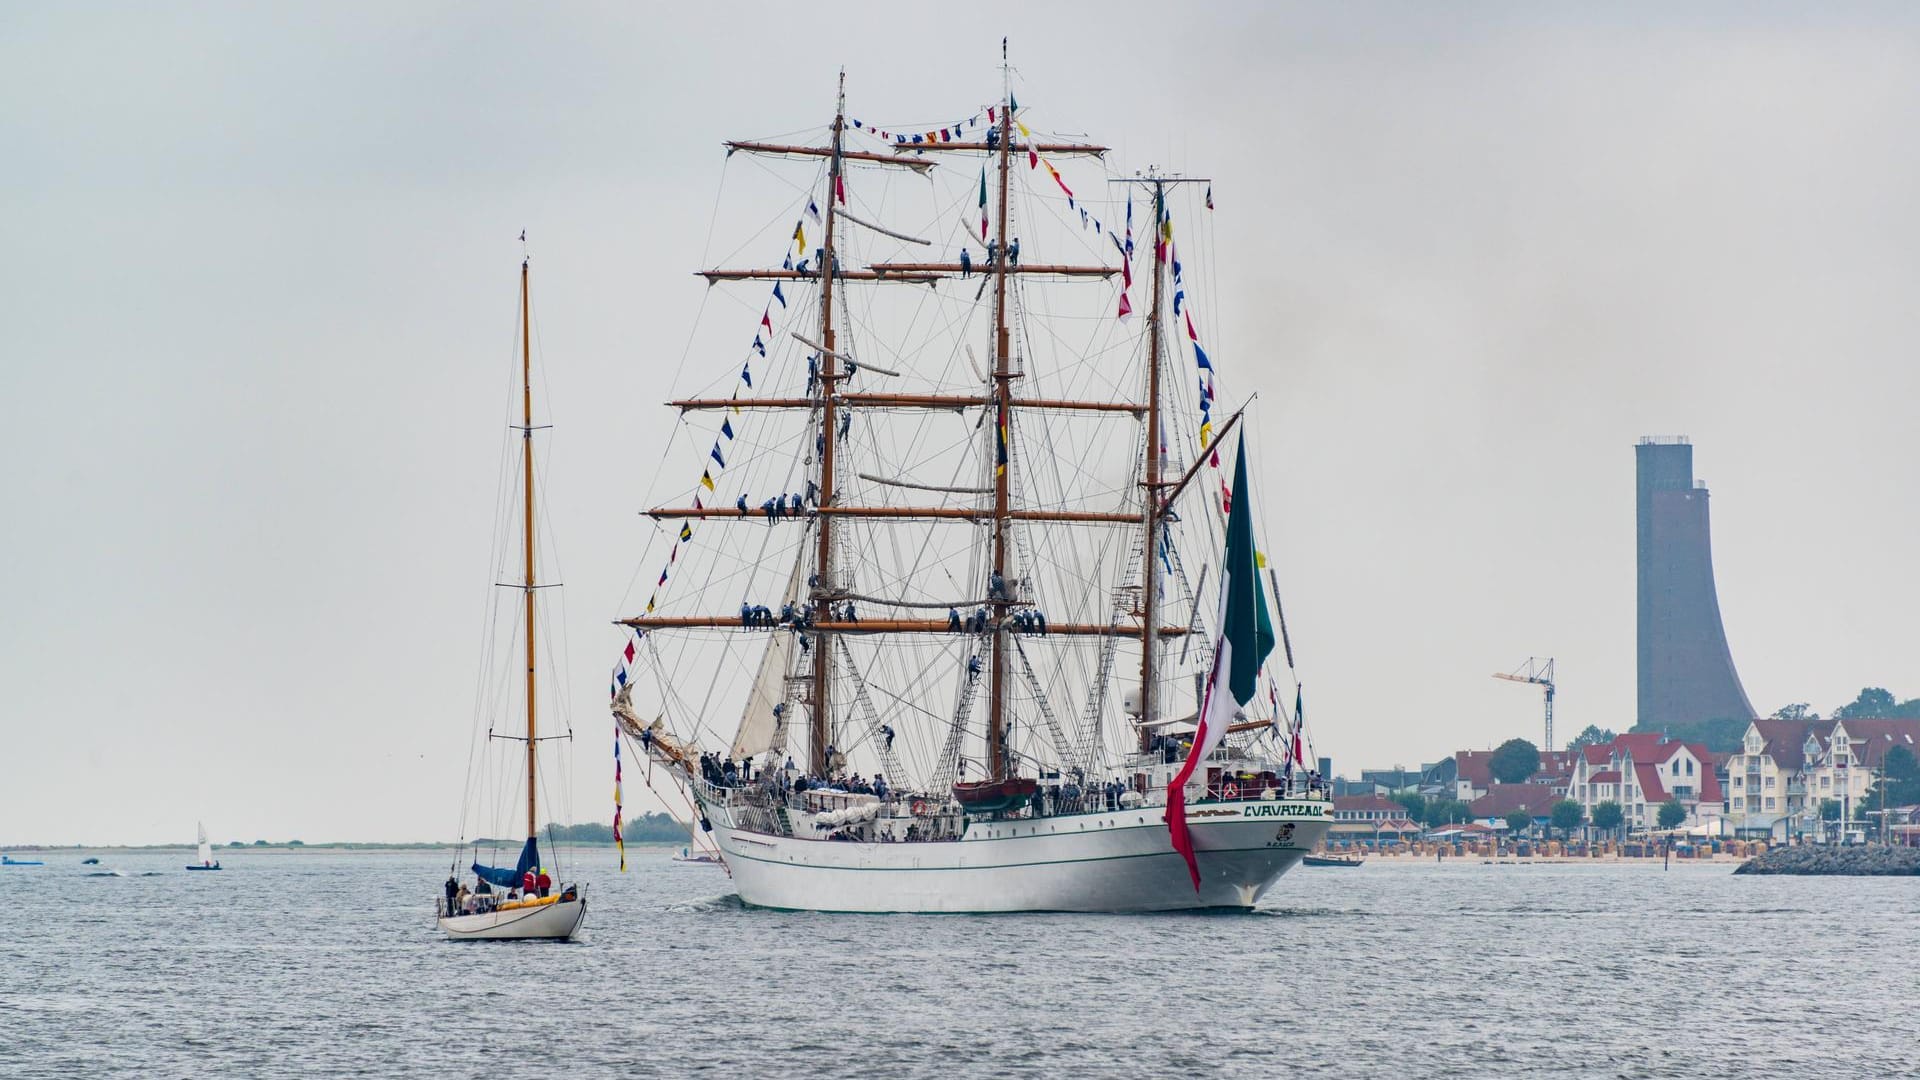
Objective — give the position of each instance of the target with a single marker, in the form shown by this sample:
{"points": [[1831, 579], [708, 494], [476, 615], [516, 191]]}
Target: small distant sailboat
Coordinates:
{"points": [[207, 861], [506, 914], [8, 860], [702, 855]]}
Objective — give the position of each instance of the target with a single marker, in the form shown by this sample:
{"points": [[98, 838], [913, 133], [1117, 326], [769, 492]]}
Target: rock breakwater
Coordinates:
{"points": [[1864, 861]]}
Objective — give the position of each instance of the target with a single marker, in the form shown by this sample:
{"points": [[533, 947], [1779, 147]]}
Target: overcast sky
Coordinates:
{"points": [[257, 298]]}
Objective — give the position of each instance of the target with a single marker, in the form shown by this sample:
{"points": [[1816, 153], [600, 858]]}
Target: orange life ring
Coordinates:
{"points": [[919, 807], [1231, 791]]}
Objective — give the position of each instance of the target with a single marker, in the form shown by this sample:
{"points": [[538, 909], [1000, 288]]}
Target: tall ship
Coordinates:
{"points": [[522, 899], [961, 607]]}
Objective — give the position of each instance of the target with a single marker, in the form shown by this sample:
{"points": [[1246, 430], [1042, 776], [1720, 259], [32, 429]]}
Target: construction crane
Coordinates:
{"points": [[1540, 673]]}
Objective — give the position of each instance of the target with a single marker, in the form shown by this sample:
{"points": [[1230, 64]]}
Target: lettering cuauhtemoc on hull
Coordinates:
{"points": [[1121, 860]]}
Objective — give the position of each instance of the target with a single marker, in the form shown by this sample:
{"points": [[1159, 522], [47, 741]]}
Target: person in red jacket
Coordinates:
{"points": [[526, 883], [543, 882]]}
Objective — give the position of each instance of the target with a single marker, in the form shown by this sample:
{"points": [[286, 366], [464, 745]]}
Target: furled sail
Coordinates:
{"points": [[206, 849], [763, 722], [508, 879]]}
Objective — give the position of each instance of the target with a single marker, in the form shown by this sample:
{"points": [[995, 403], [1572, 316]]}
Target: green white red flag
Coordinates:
{"points": [[1246, 637]]}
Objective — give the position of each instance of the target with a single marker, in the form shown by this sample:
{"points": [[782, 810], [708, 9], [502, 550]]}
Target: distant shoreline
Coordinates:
{"points": [[1726, 862], [338, 845]]}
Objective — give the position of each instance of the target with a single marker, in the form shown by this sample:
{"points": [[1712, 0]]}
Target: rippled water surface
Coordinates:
{"points": [[325, 964]]}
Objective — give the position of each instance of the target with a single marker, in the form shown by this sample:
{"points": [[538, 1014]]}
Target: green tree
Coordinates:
{"points": [[1513, 761], [1873, 701], [1799, 711], [1829, 809], [1672, 814], [1448, 812], [1518, 821], [1900, 780], [1592, 736], [1607, 815], [1567, 816], [1415, 804]]}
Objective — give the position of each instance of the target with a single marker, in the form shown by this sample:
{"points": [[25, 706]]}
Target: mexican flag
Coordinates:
{"points": [[1246, 637]]}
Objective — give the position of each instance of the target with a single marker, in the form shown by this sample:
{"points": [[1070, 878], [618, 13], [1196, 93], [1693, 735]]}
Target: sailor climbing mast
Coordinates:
{"points": [[526, 457], [818, 734]]}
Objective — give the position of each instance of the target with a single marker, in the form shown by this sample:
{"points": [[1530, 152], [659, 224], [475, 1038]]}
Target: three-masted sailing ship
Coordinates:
{"points": [[970, 662], [518, 902]]}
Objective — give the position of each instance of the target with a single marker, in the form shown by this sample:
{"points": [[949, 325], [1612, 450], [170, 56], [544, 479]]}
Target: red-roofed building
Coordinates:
{"points": [[1354, 815], [1641, 770], [1786, 768], [1502, 799], [1473, 773]]}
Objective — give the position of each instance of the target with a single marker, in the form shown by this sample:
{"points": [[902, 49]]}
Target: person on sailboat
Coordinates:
{"points": [[543, 883], [453, 894]]}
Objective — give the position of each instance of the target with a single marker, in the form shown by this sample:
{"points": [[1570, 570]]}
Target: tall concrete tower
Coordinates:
{"points": [[1686, 670]]}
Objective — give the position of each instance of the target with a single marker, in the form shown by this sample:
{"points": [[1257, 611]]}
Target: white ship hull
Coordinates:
{"points": [[557, 921], [1119, 860]]}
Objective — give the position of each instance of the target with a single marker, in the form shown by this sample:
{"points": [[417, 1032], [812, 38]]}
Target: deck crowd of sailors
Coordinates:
{"points": [[1071, 794], [483, 898]]}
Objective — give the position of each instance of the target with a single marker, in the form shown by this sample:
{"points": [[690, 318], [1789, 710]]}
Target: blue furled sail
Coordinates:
{"points": [[510, 879]]}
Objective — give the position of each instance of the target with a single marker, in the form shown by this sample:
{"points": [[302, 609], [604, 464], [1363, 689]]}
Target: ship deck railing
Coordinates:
{"points": [[817, 800]]}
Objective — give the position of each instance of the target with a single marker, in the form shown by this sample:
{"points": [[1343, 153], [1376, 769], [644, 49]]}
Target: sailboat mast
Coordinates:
{"points": [[1150, 523], [526, 457], [1003, 398], [829, 377]]}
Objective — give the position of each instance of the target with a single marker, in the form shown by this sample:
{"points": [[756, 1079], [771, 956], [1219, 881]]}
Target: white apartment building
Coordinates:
{"points": [[1642, 770], [1787, 768]]}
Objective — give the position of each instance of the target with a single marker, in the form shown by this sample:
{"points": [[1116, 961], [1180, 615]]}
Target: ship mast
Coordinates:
{"points": [[1003, 397], [526, 457], [1150, 506], [826, 586]]}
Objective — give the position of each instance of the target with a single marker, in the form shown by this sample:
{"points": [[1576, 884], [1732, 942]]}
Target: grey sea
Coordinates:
{"points": [[327, 964]]}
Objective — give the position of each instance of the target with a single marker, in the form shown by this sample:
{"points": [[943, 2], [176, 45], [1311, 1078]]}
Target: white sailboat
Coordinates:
{"points": [[207, 861], [1049, 496], [518, 902]]}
